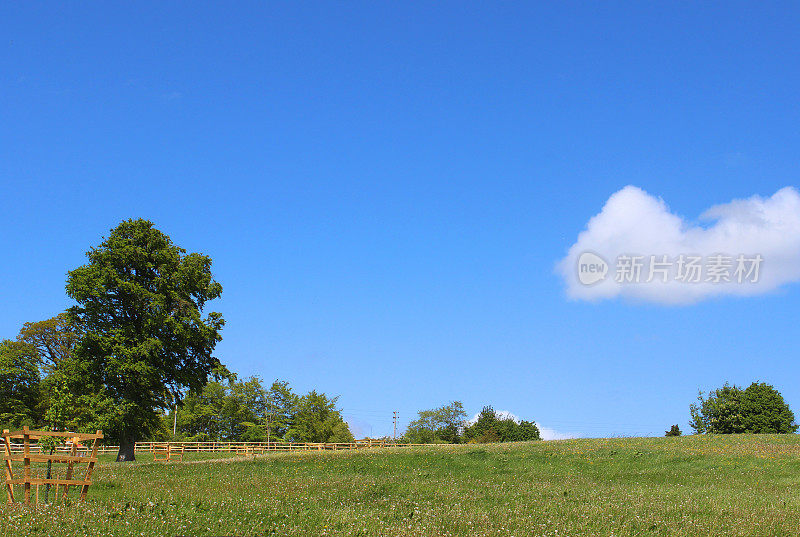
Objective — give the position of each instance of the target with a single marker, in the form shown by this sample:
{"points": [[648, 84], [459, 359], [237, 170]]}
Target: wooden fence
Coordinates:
{"points": [[265, 447], [244, 448], [166, 451], [44, 469]]}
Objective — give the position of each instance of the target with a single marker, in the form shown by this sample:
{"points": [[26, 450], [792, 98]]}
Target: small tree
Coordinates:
{"points": [[422, 430], [437, 425], [451, 420], [251, 403], [719, 413], [489, 427], [281, 408], [728, 410], [673, 431], [485, 428], [764, 411], [525, 431], [143, 338]]}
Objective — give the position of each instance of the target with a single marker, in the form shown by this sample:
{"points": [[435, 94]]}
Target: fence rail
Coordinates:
{"points": [[245, 448], [81, 449]]}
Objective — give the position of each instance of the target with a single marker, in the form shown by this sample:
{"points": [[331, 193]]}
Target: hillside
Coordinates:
{"points": [[733, 485]]}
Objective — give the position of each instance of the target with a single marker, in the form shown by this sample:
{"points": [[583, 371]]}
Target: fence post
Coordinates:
{"points": [[70, 466], [9, 472], [90, 468], [26, 450]]}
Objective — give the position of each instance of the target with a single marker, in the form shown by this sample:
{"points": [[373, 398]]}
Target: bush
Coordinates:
{"points": [[673, 431], [490, 428], [759, 409]]}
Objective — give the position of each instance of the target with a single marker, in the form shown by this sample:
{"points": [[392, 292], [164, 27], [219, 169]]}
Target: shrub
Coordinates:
{"points": [[673, 431], [758, 409]]}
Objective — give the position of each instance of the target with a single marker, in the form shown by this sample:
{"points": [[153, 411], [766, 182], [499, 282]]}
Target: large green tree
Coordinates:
{"points": [[729, 410], [144, 339]]}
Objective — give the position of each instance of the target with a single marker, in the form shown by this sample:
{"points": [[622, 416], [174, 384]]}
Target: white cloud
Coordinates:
{"points": [[545, 432], [633, 222], [551, 434]]}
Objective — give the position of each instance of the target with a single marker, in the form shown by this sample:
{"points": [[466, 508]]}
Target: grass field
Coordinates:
{"points": [[731, 485]]}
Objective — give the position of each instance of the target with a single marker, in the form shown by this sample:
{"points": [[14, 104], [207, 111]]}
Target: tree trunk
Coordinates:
{"points": [[126, 449]]}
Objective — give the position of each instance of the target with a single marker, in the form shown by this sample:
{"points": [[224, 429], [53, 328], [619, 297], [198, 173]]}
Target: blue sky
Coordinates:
{"points": [[385, 190]]}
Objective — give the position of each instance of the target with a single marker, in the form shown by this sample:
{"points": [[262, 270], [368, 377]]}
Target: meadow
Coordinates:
{"points": [[692, 485]]}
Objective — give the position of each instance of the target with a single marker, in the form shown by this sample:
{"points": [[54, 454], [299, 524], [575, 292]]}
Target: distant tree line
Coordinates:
{"points": [[448, 424], [230, 409]]}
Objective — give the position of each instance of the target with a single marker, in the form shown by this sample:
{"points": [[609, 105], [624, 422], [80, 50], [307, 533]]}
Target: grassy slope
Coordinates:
{"points": [[745, 485]]}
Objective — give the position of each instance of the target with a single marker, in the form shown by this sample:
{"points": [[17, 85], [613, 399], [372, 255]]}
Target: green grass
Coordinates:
{"points": [[148, 457], [734, 485]]}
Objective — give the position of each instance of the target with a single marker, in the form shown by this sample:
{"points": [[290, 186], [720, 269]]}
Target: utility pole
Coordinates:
{"points": [[394, 434]]}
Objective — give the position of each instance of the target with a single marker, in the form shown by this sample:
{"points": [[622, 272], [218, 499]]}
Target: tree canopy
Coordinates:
{"points": [[19, 384], [728, 410], [489, 427], [318, 420], [54, 339], [437, 425]]}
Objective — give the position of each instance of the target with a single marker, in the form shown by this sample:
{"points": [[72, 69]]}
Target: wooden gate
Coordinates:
{"points": [[34, 462], [166, 451]]}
